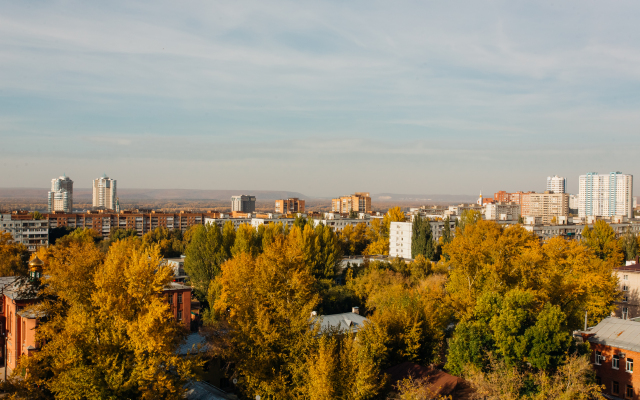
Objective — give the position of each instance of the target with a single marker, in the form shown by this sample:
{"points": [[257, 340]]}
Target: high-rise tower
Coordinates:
{"points": [[556, 184], [61, 194], [104, 193], [605, 195]]}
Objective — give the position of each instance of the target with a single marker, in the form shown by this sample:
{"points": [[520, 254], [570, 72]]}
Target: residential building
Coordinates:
{"points": [[179, 299], [628, 306], [60, 197], [290, 206], [572, 231], [400, 234], [105, 193], [338, 224], [556, 184], [177, 265], [499, 211], [143, 221], [344, 322], [615, 349], [358, 202], [549, 206], [520, 198], [30, 232], [18, 328], [605, 195], [243, 203]]}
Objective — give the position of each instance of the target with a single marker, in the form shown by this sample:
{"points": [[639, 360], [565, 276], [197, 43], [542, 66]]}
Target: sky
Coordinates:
{"points": [[323, 98]]}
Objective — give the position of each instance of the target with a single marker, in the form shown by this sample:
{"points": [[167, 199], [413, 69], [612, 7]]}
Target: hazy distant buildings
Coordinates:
{"points": [[551, 207], [105, 193], [520, 198], [605, 195], [243, 203], [61, 195], [25, 230], [499, 211], [556, 184], [358, 202], [290, 206]]}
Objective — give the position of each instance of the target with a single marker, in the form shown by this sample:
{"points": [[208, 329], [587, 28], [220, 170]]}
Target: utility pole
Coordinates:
{"points": [[585, 320]]}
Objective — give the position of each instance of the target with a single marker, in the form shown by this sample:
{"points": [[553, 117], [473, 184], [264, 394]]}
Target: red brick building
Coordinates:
{"points": [[179, 299], [615, 354]]}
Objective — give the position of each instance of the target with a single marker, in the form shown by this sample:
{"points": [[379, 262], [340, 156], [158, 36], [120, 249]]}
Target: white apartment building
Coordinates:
{"points": [[556, 184], [400, 239], [60, 197], [30, 232], [105, 194], [500, 211], [605, 195]]}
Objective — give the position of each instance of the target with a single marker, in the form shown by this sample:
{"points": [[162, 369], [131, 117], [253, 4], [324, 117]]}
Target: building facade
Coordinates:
{"points": [[520, 198], [500, 211], [549, 206], [615, 349], [400, 234], [605, 195], [556, 184], [290, 206], [142, 221], [628, 306], [29, 232], [60, 196], [105, 194], [358, 202], [243, 203]]}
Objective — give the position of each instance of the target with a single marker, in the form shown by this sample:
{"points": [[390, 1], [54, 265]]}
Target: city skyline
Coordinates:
{"points": [[464, 96]]}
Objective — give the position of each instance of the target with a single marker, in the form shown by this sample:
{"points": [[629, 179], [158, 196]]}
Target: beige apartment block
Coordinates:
{"points": [[358, 202], [289, 206], [548, 206], [629, 284]]}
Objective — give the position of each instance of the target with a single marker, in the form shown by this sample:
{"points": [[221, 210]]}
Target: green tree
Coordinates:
{"points": [[447, 237], [246, 240], [171, 241], [629, 244], [204, 256], [121, 233], [228, 237], [36, 215], [422, 238], [353, 214]]}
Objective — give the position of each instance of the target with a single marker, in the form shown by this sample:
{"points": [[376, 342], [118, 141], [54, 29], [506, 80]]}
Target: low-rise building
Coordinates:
{"points": [[33, 233], [500, 211], [615, 349], [628, 306]]}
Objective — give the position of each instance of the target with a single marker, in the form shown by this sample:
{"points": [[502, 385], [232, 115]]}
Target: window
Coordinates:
{"points": [[179, 298], [615, 363], [170, 298], [179, 315], [625, 298], [598, 357], [625, 312], [625, 277], [629, 392], [625, 288], [629, 365], [615, 388], [598, 381]]}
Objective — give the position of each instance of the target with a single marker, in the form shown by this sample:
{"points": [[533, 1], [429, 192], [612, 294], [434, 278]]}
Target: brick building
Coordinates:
{"points": [[142, 221], [615, 349], [289, 206], [628, 306], [358, 202]]}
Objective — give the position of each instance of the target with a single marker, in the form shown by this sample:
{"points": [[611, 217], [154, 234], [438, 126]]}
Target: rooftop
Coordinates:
{"points": [[343, 322], [616, 332]]}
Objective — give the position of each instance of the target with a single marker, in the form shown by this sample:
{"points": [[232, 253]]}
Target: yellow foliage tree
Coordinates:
{"points": [[108, 333], [13, 256]]}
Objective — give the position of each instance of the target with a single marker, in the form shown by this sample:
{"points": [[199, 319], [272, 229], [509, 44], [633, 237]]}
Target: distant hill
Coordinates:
{"points": [[441, 198], [84, 194]]}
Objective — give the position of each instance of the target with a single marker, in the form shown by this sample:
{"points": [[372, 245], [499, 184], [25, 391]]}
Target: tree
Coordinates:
{"points": [[36, 215], [171, 241], [246, 241], [629, 244], [467, 218], [108, 335], [602, 240], [266, 302], [13, 256], [204, 256], [228, 237], [446, 237], [378, 234], [353, 239], [422, 239], [353, 214]]}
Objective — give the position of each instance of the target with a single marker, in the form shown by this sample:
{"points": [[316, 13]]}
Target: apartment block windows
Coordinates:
{"points": [[615, 388], [598, 357], [625, 288], [179, 298], [629, 393], [625, 312], [625, 277], [625, 298], [615, 363], [630, 365], [179, 315]]}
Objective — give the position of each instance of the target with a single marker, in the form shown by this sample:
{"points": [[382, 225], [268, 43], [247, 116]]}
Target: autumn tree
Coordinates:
{"points": [[629, 245], [467, 218], [602, 240], [378, 233], [246, 241], [203, 257], [354, 239], [109, 334], [13, 256], [446, 237], [171, 241]]}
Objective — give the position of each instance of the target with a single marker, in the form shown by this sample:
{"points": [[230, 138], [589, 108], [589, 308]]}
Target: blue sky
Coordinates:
{"points": [[324, 98]]}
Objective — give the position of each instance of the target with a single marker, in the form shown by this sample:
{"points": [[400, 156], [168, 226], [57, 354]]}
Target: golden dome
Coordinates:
{"points": [[36, 264]]}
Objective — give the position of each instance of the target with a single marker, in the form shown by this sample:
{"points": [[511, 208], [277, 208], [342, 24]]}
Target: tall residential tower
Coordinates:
{"points": [[61, 194], [605, 195], [556, 184], [104, 193]]}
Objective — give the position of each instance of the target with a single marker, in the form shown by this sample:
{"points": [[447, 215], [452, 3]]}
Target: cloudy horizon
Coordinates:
{"points": [[321, 98]]}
